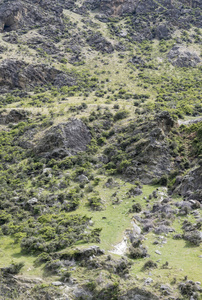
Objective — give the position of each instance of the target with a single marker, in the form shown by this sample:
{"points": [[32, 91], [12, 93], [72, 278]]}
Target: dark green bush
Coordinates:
{"points": [[122, 114]]}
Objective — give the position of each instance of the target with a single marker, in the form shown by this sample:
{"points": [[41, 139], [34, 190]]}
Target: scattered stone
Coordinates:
{"points": [[163, 229], [165, 287], [158, 252]]}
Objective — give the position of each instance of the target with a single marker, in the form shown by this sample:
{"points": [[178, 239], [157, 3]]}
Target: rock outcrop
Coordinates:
{"points": [[190, 186], [150, 155], [121, 7], [98, 42], [11, 15], [64, 140], [14, 116], [19, 14], [181, 57], [18, 74]]}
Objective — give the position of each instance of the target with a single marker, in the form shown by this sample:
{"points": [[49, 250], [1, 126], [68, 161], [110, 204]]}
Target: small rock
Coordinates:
{"points": [[165, 287], [148, 280], [32, 201], [82, 178], [91, 223], [158, 252], [57, 283]]}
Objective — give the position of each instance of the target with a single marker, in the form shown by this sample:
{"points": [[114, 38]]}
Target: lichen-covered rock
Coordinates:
{"points": [[64, 139]]}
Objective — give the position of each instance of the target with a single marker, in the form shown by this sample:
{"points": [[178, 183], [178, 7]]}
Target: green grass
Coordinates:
{"points": [[114, 219], [11, 252]]}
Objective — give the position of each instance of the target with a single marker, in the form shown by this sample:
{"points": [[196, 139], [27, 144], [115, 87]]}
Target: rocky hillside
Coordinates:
{"points": [[101, 149]]}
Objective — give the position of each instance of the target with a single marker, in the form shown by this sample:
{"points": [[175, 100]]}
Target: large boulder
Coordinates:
{"points": [[65, 139]]}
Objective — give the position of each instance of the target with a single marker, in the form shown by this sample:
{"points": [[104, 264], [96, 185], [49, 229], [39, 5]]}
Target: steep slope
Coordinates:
{"points": [[100, 132]]}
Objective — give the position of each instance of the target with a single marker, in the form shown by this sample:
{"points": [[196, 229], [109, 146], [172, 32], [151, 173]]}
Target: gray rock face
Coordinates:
{"points": [[190, 185], [64, 140], [11, 15], [17, 14], [80, 293], [18, 74], [164, 121], [182, 57]]}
